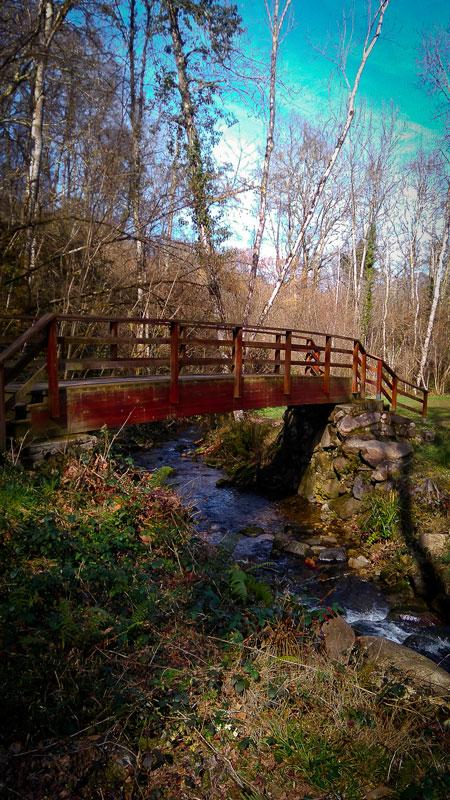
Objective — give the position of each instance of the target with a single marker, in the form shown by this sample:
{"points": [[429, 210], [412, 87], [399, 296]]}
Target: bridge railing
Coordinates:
{"points": [[79, 348]]}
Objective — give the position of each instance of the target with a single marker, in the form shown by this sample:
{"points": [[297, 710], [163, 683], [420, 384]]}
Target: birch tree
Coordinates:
{"points": [[373, 33], [51, 16], [276, 20], [441, 269]]}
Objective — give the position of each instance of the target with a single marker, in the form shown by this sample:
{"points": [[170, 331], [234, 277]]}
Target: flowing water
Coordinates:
{"points": [[222, 512]]}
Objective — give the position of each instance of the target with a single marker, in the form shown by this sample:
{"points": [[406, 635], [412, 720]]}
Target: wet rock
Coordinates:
{"points": [[345, 507], [358, 563], [258, 548], [328, 540], [251, 530], [339, 638], [415, 666], [433, 643], [332, 554], [360, 599], [285, 542]]}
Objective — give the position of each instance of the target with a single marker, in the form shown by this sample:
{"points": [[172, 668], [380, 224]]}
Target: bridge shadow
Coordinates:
{"points": [[302, 430]]}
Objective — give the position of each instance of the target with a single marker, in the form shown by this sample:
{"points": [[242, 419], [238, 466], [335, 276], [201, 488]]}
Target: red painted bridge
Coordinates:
{"points": [[67, 374]]}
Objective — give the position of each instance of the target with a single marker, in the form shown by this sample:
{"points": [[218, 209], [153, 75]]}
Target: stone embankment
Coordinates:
{"points": [[360, 450]]}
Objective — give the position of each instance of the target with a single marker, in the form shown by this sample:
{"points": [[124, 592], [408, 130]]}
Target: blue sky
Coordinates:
{"points": [[391, 73]]}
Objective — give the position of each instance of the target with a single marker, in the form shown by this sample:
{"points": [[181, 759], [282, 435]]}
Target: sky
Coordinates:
{"points": [[390, 76]]}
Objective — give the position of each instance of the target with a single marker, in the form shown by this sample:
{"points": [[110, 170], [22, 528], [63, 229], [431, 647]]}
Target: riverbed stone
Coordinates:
{"points": [[358, 563], [251, 530], [332, 554], [258, 548], [290, 545], [415, 666], [345, 507], [339, 638]]}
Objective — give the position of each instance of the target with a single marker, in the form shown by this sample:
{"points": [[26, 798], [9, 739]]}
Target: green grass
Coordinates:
{"points": [[272, 413]]}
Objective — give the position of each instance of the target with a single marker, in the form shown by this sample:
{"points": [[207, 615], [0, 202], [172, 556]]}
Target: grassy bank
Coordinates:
{"points": [[138, 663]]}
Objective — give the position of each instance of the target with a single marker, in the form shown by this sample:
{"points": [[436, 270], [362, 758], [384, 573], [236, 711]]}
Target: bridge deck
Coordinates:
{"points": [[88, 405], [198, 367]]}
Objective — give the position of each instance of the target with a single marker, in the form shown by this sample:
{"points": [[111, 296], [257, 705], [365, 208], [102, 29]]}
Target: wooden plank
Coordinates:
{"points": [[193, 361], [103, 340], [52, 369], [355, 365], [425, 403], [386, 394], [78, 365], [174, 393], [363, 374], [277, 355], [88, 408], [206, 342], [16, 346], [327, 365], [287, 378], [379, 377], [2, 409], [114, 332], [410, 408], [394, 393], [410, 396], [237, 359], [16, 369]]}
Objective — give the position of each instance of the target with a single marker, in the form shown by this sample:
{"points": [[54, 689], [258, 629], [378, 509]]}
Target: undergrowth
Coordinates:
{"points": [[139, 663], [238, 447]]}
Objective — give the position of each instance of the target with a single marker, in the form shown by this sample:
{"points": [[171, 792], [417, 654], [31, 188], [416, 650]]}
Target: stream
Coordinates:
{"points": [[222, 512]]}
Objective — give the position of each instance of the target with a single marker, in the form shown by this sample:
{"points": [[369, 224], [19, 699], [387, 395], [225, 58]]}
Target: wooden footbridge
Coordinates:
{"points": [[67, 374]]}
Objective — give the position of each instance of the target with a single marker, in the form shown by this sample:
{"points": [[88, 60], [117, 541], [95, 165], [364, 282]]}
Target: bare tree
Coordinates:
{"points": [[276, 21], [373, 33]]}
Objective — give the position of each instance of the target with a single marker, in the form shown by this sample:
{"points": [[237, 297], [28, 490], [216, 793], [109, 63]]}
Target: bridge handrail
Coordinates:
{"points": [[285, 341]]}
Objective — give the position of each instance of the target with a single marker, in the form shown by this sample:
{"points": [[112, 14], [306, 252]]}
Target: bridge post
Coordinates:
{"points": [[355, 367], [174, 391], [52, 369], [287, 364], [394, 393], [425, 403], [277, 357], [327, 365], [362, 388], [237, 361], [113, 331], [2, 410], [379, 377]]}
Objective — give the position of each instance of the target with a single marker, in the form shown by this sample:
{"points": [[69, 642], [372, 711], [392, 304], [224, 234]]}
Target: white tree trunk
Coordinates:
{"points": [[442, 265], [373, 34], [276, 24]]}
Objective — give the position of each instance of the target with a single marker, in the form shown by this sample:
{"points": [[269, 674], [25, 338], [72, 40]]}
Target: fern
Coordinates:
{"points": [[238, 583], [243, 585]]}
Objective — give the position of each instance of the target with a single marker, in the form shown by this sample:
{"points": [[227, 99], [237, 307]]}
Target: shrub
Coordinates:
{"points": [[381, 518]]}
